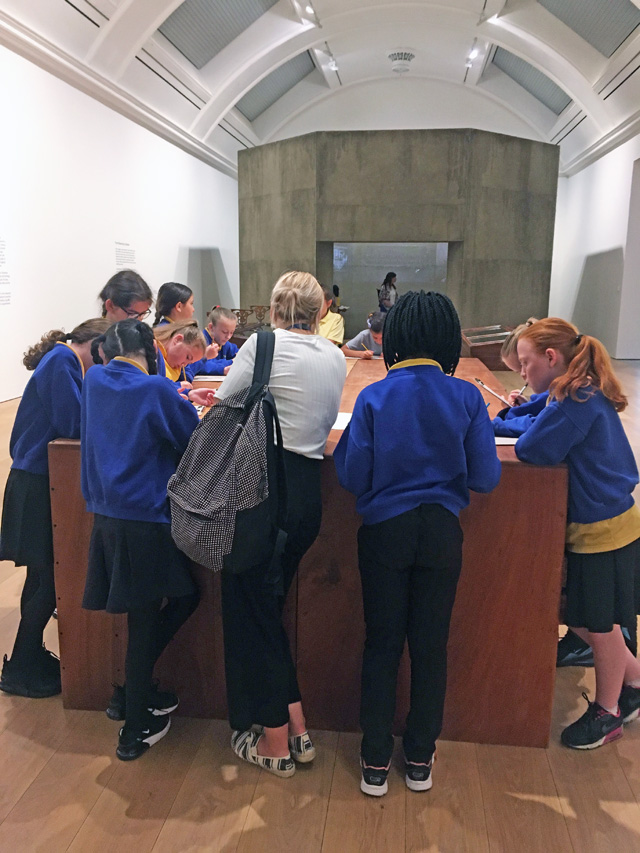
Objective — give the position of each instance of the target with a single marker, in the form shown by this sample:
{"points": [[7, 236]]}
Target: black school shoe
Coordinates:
{"points": [[595, 727], [418, 776], [132, 744], [572, 651], [36, 682], [161, 703], [374, 780]]}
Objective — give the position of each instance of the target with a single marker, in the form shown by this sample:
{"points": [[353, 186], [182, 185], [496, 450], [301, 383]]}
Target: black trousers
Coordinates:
{"points": [[151, 628], [260, 672], [409, 567]]}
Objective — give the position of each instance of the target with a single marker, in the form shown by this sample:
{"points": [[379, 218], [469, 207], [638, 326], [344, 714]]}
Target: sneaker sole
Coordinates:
{"points": [[304, 757], [614, 735], [28, 693], [145, 745], [587, 663], [117, 715], [412, 785], [374, 790], [632, 716]]}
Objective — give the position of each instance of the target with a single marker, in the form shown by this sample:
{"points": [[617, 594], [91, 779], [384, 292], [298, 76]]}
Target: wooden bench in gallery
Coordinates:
{"points": [[503, 635], [485, 343]]}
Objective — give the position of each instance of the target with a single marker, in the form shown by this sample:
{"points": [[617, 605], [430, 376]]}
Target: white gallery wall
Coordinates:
{"points": [[405, 104], [75, 179], [595, 280]]}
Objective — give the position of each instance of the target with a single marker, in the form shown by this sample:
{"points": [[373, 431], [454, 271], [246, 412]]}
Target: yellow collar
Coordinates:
{"points": [[65, 344], [173, 373], [130, 361], [412, 362]]}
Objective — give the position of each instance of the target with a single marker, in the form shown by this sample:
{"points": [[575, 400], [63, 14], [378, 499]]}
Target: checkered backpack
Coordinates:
{"points": [[228, 495]]}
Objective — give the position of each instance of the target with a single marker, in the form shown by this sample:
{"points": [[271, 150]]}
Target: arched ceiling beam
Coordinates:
{"points": [[527, 33], [127, 31], [253, 55]]}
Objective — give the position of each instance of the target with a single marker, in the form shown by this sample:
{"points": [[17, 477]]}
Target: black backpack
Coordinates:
{"points": [[228, 495]]}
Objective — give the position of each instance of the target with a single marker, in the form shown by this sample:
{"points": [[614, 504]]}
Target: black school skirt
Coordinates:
{"points": [[603, 589], [26, 535], [132, 563]]}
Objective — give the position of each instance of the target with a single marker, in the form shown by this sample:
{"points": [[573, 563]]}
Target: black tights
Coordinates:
{"points": [[37, 603], [151, 628]]}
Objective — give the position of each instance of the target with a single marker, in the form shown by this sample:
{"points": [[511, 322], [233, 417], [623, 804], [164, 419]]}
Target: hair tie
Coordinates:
{"points": [[578, 339]]}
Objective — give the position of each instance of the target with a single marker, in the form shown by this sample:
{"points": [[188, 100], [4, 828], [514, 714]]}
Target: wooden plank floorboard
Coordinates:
{"points": [[520, 800], [137, 798], [212, 805], [450, 817], [55, 805], [356, 822], [601, 811], [27, 743], [290, 814]]}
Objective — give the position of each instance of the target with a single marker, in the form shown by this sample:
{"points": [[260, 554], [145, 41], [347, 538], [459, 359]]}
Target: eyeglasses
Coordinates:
{"points": [[140, 315]]}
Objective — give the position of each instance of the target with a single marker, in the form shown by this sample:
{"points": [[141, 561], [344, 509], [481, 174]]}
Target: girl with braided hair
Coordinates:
{"points": [[580, 426], [134, 429], [49, 409], [418, 440]]}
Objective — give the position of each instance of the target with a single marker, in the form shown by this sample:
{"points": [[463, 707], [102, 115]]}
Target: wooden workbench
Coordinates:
{"points": [[503, 635]]}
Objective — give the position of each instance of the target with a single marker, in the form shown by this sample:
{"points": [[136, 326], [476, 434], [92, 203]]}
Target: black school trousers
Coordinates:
{"points": [[260, 672], [409, 567]]}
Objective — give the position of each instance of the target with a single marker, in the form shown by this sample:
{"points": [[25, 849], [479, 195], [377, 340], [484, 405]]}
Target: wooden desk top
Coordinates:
{"points": [[366, 371]]}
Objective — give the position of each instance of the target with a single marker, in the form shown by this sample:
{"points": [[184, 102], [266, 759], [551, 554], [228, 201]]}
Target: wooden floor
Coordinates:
{"points": [[61, 787]]}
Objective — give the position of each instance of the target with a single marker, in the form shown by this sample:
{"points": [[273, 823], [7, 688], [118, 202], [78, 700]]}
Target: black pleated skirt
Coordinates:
{"points": [[603, 589], [133, 563], [26, 535]]}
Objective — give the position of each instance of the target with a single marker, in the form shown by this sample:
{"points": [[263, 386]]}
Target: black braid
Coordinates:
{"points": [[149, 343], [423, 325], [128, 337]]}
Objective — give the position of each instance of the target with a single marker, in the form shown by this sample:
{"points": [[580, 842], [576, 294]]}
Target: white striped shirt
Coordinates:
{"points": [[307, 377]]}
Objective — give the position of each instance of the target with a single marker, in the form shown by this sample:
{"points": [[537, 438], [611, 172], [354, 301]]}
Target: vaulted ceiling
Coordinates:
{"points": [[215, 76]]}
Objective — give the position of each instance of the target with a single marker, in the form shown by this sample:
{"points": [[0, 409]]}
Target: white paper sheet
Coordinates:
{"points": [[342, 420]]}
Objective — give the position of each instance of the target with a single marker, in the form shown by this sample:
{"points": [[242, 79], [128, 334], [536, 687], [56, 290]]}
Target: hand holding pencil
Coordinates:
{"points": [[515, 397]]}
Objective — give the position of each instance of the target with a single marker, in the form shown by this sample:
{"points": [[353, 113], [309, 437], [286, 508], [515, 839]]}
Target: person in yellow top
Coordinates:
{"points": [[331, 325]]}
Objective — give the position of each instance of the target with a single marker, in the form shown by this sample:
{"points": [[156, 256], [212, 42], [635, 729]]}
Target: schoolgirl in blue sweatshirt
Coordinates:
{"points": [[134, 430], [180, 345], [417, 442], [49, 409], [581, 427], [218, 332]]}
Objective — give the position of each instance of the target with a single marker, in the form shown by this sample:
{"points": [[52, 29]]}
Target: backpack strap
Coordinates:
{"points": [[264, 357]]}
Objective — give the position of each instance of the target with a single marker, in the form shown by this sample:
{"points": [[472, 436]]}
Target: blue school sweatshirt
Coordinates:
{"points": [[589, 437], [49, 409], [212, 366], [135, 428], [514, 420], [417, 436]]}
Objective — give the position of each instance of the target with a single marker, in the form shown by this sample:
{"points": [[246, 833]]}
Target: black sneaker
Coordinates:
{"points": [[374, 780], [132, 744], [594, 728], [572, 651], [418, 776], [161, 703], [629, 702], [34, 683], [48, 663]]}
